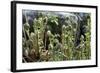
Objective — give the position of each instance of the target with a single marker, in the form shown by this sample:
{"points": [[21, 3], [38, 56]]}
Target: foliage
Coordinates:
{"points": [[50, 39]]}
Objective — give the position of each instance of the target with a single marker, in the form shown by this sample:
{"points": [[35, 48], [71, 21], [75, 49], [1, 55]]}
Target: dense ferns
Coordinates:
{"points": [[56, 36]]}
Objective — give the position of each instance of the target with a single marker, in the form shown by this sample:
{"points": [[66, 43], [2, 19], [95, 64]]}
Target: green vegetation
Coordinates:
{"points": [[54, 36]]}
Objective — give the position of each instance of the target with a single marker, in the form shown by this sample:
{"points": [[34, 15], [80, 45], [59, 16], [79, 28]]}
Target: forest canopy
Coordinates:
{"points": [[55, 36]]}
